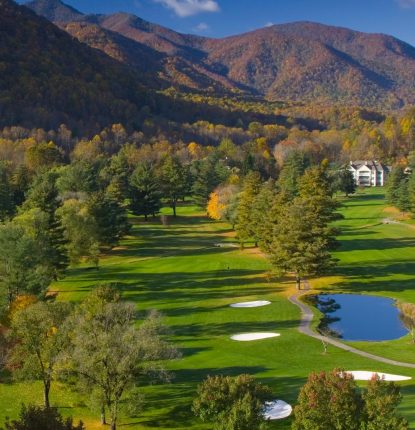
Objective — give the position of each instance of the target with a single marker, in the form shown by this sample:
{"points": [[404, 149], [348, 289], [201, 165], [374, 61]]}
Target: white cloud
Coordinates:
{"points": [[269, 24], [406, 4], [184, 8], [201, 27]]}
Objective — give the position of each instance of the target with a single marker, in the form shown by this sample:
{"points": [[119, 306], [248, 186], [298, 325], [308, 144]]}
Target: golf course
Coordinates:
{"points": [[189, 270]]}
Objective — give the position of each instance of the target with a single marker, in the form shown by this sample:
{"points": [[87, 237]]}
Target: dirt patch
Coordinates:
{"points": [[396, 214], [254, 251], [228, 234]]}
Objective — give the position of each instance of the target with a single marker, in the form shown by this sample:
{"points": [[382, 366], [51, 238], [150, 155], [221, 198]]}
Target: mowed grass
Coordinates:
{"points": [[178, 270]]}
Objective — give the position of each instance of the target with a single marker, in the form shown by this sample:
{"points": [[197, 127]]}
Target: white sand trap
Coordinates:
{"points": [[226, 245], [277, 410], [246, 337], [362, 375], [256, 304]]}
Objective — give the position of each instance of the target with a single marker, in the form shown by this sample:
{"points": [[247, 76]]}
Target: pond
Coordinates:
{"points": [[356, 317]]}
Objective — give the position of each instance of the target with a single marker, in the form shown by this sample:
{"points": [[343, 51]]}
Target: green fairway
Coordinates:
{"points": [[179, 270]]}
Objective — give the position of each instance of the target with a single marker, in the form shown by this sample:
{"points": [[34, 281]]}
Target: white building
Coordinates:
{"points": [[369, 173]]}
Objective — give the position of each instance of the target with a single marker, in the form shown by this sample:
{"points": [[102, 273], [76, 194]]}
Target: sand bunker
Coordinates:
{"points": [[246, 337], [226, 245], [277, 410], [362, 375], [255, 304]]}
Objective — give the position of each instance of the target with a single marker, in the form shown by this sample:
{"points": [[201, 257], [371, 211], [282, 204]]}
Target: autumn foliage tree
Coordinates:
{"points": [[332, 401], [328, 401], [407, 316]]}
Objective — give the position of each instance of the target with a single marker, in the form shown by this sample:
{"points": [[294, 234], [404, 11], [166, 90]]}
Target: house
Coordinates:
{"points": [[369, 173]]}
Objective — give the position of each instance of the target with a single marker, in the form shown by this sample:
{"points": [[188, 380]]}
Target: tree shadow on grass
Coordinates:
{"points": [[228, 329], [351, 232], [360, 277], [368, 244], [177, 287]]}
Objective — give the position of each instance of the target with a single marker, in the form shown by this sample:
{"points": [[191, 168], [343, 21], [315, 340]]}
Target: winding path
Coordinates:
{"points": [[305, 328]]}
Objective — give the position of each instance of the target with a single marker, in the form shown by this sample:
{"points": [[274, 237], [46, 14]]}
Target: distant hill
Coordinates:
{"points": [[311, 62], [55, 10], [48, 78], [301, 61]]}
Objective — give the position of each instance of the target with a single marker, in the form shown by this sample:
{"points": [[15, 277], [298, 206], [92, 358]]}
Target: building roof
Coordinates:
{"points": [[371, 164]]}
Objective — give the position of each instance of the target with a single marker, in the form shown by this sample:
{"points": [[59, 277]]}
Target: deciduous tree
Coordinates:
{"points": [[231, 403], [381, 400], [328, 401], [40, 339], [80, 232], [109, 353], [407, 315], [36, 418]]}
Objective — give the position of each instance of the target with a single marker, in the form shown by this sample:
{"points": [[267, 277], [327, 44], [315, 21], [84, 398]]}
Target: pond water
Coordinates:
{"points": [[358, 317]]}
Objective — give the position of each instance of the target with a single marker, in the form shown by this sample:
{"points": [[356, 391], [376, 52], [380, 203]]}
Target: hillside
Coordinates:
{"points": [[55, 10], [301, 61], [48, 78], [307, 61]]}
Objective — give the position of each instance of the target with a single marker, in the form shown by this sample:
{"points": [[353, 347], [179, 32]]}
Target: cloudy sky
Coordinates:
{"points": [[218, 18]]}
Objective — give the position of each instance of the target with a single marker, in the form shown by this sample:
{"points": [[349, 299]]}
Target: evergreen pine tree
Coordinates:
{"points": [[403, 201], [205, 181], [262, 210], [245, 223], [145, 191], [110, 217], [20, 184], [302, 236], [345, 181], [6, 195], [44, 195], [292, 170], [173, 180], [396, 176]]}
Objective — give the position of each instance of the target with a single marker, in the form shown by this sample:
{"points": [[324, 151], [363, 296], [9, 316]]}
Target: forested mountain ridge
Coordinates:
{"points": [[55, 10], [301, 61], [48, 78]]}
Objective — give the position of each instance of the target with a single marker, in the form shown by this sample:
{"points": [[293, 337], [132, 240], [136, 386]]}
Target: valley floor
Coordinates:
{"points": [[178, 270]]}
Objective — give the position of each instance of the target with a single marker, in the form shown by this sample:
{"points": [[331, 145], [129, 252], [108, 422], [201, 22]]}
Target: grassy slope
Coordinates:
{"points": [[178, 270], [378, 259]]}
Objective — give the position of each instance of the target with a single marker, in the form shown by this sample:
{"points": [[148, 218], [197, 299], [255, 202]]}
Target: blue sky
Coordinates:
{"points": [[218, 18]]}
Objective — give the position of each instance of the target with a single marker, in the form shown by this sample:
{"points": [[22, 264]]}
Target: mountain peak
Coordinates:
{"points": [[55, 10]]}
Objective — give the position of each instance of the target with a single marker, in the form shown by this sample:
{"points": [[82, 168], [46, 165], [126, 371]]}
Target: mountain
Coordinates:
{"points": [[301, 61], [48, 78], [310, 62], [176, 57], [157, 68], [55, 10]]}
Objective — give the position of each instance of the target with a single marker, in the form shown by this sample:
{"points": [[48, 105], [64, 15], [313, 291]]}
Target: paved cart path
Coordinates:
{"points": [[305, 328]]}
